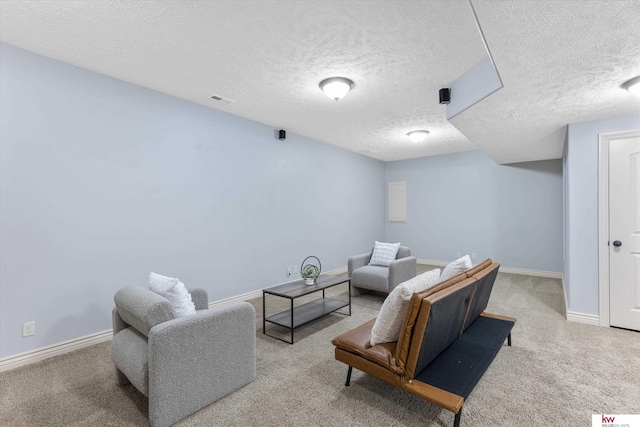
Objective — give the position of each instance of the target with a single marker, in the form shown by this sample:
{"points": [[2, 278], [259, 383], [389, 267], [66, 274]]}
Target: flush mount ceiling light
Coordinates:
{"points": [[633, 85], [336, 87], [418, 135]]}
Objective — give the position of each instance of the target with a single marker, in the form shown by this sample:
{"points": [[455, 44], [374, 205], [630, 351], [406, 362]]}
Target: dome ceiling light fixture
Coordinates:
{"points": [[336, 87], [418, 135], [633, 85]]}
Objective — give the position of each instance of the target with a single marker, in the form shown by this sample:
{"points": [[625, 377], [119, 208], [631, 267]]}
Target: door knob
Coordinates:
{"points": [[617, 243]]}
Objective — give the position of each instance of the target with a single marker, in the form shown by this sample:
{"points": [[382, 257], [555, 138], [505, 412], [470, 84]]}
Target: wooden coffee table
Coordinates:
{"points": [[298, 316]]}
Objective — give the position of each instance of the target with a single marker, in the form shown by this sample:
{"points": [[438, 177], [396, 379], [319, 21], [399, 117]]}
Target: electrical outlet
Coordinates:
{"points": [[288, 272], [29, 328], [458, 254], [473, 255]]}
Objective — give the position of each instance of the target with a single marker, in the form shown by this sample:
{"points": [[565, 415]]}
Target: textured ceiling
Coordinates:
{"points": [[560, 61]]}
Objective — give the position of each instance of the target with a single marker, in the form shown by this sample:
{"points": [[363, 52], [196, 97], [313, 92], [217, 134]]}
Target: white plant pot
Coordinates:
{"points": [[309, 281]]}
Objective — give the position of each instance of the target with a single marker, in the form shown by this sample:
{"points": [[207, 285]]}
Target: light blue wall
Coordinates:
{"points": [[102, 181], [467, 203], [581, 266]]}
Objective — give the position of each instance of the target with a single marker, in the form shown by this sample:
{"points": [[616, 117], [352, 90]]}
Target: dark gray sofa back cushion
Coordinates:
{"points": [[447, 312]]}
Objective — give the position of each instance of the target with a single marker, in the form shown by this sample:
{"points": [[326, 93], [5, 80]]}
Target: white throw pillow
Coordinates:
{"points": [[173, 290], [384, 253], [456, 267], [388, 325]]}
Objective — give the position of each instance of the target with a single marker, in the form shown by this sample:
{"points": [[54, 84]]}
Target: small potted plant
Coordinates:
{"points": [[310, 273]]}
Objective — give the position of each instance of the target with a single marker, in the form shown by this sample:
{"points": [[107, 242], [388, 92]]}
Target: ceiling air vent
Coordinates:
{"points": [[222, 99]]}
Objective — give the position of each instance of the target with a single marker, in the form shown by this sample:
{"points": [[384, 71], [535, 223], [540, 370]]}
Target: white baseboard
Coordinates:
{"points": [[243, 297], [564, 295], [503, 269], [43, 353], [432, 262], [338, 271], [537, 273], [258, 293], [587, 319]]}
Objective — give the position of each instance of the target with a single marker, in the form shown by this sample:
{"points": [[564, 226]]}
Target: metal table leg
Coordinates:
{"points": [[349, 292], [291, 320]]}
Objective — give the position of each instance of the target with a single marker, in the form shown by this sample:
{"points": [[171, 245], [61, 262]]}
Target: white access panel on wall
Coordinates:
{"points": [[397, 201]]}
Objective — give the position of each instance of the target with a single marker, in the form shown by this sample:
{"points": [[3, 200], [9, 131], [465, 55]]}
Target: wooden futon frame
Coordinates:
{"points": [[446, 343]]}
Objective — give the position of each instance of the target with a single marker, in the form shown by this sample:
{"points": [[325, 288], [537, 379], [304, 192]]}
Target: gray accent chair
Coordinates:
{"points": [[365, 277], [181, 364]]}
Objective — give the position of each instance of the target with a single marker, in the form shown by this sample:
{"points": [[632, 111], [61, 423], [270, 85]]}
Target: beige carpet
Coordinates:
{"points": [[556, 374]]}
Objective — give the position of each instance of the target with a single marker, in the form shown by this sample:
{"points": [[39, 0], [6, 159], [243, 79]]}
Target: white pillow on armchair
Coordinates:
{"points": [[174, 291], [384, 253]]}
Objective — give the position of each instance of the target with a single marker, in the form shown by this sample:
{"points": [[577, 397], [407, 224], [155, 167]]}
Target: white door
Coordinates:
{"points": [[624, 233]]}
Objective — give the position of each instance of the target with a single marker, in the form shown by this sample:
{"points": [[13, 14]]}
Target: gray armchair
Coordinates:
{"points": [[181, 364], [365, 277]]}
